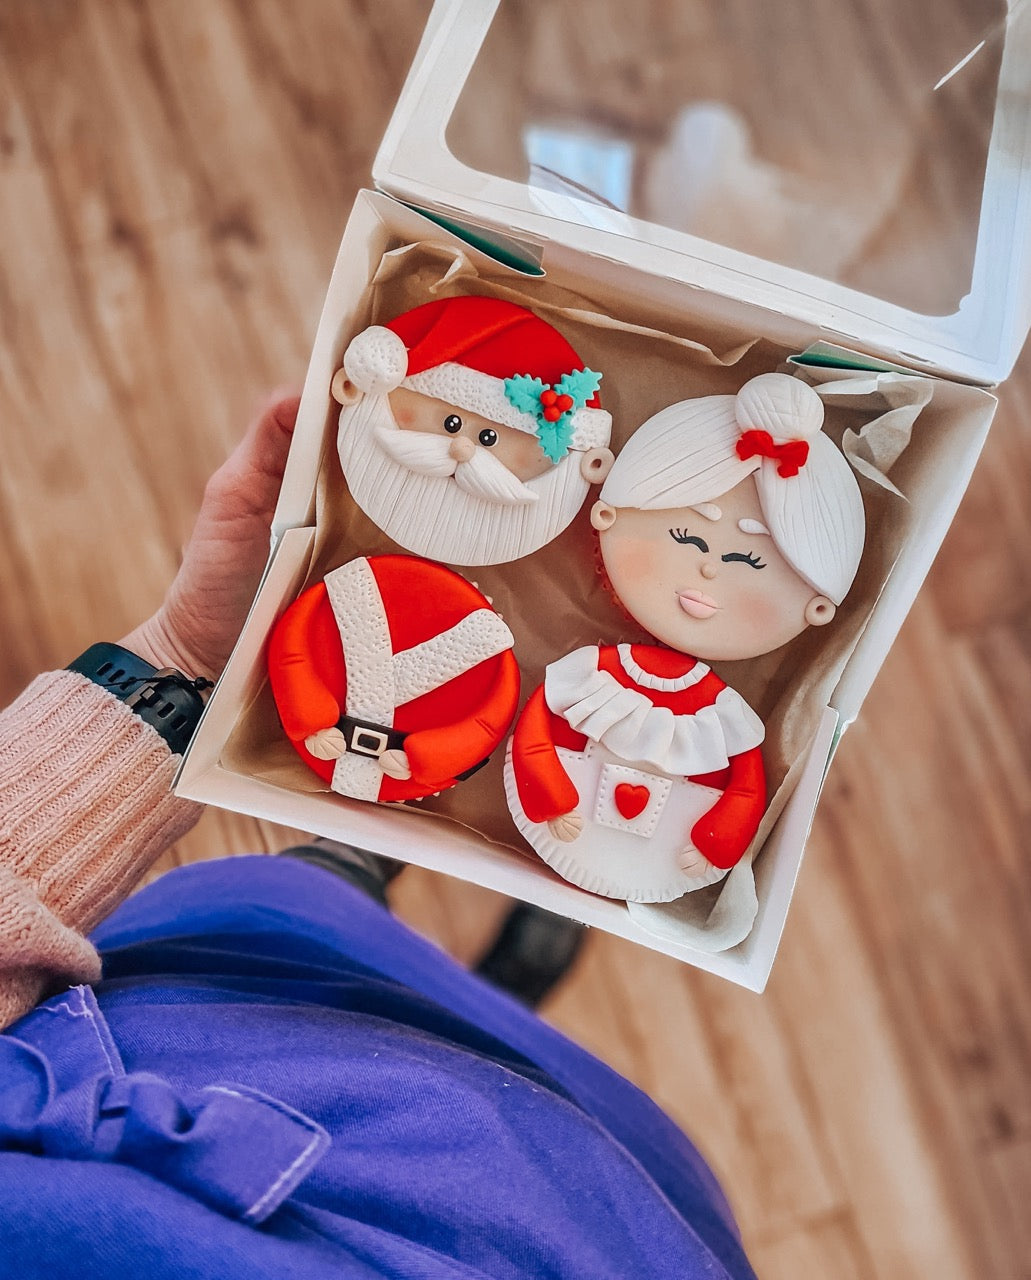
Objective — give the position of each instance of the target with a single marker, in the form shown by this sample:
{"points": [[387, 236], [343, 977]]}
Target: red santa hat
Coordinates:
{"points": [[464, 351]]}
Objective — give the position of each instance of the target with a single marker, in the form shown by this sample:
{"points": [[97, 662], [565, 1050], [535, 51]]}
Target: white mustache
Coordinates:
{"points": [[487, 477], [417, 450], [484, 476]]}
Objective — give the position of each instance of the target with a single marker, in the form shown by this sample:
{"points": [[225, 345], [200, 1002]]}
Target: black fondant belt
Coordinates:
{"points": [[367, 738]]}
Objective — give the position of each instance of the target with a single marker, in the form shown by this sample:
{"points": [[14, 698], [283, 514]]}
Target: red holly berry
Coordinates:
{"points": [[548, 397], [552, 413], [565, 403]]}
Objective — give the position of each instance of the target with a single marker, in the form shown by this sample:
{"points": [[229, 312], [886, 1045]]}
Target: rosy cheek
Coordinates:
{"points": [[632, 560], [768, 611], [404, 418]]}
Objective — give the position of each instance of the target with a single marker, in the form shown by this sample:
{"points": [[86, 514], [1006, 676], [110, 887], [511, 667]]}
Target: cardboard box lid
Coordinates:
{"points": [[891, 209]]}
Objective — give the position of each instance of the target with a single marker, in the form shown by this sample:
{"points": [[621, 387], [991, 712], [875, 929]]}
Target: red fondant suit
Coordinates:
{"points": [[404, 645], [665, 679]]}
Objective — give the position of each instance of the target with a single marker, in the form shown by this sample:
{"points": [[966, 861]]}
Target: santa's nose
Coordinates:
{"points": [[708, 569], [461, 449]]}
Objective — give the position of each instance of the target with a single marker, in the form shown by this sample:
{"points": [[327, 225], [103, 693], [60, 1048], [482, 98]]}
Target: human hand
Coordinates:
{"points": [[566, 827], [198, 623]]}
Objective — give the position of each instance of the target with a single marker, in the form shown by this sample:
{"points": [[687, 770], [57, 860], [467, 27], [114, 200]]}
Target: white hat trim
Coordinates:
{"points": [[483, 394]]}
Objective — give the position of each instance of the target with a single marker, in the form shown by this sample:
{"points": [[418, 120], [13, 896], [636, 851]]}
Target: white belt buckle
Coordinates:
{"points": [[374, 745]]}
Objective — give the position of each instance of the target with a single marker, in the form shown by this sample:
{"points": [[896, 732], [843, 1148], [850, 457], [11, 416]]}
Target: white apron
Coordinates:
{"points": [[636, 820]]}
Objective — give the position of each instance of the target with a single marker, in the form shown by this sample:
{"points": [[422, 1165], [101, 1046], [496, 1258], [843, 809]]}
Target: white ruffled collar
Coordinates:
{"points": [[661, 684], [628, 723]]}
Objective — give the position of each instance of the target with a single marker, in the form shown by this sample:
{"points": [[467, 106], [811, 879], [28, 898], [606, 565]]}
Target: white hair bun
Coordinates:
{"points": [[786, 407]]}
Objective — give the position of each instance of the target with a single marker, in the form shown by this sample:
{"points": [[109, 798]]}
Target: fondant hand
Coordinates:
{"points": [[326, 744], [395, 765], [566, 827], [198, 623], [693, 863]]}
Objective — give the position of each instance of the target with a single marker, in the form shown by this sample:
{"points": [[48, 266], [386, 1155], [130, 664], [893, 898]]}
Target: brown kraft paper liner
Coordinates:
{"points": [[554, 600]]}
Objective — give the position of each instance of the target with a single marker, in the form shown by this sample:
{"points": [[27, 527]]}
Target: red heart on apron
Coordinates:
{"points": [[630, 800]]}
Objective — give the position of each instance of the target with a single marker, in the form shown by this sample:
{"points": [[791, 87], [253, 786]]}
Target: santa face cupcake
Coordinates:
{"points": [[470, 431]]}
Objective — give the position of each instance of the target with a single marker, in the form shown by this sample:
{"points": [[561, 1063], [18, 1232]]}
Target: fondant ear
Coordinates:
{"points": [[596, 464], [603, 516], [343, 390], [819, 611]]}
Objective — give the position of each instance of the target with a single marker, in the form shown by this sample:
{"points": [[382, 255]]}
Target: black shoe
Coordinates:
{"points": [[370, 872], [532, 952]]}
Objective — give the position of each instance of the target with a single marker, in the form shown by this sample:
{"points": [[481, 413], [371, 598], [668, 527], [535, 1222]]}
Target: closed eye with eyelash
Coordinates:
{"points": [[682, 536], [750, 558]]}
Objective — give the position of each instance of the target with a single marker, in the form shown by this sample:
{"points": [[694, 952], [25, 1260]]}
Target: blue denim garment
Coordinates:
{"points": [[277, 1078]]}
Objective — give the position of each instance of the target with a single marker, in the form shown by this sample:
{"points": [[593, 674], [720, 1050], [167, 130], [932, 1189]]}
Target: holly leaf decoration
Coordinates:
{"points": [[581, 384], [556, 437], [524, 393]]}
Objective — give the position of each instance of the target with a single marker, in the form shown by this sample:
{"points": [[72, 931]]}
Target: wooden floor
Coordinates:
{"points": [[174, 179]]}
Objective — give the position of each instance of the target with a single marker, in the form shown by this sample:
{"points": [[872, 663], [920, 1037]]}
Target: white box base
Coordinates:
{"points": [[376, 225]]}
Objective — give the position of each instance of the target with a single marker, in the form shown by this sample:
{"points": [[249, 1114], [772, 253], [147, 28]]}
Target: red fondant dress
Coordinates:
{"points": [[399, 652], [656, 754]]}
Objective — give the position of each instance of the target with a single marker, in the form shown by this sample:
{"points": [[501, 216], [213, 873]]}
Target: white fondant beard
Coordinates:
{"points": [[431, 512]]}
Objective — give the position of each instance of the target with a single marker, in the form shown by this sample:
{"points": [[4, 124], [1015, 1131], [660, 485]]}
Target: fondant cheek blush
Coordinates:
{"points": [[697, 604]]}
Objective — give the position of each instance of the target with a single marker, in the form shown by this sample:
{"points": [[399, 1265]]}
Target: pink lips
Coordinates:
{"points": [[697, 604]]}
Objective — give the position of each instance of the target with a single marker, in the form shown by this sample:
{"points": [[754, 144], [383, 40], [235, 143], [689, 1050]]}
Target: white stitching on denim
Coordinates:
{"points": [[304, 1121], [116, 1067], [258, 1205]]}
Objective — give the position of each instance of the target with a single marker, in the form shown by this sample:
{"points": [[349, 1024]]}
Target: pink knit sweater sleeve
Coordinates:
{"points": [[85, 809]]}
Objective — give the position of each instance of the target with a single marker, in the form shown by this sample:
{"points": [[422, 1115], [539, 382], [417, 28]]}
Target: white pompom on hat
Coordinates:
{"points": [[697, 450], [376, 360]]}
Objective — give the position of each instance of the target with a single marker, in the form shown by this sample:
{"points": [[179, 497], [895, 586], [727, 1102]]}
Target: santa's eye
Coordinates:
{"points": [[688, 539], [751, 558], [452, 423], [488, 438]]}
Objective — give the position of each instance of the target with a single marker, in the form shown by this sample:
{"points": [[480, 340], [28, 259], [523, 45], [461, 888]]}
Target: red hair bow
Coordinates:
{"points": [[791, 455]]}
